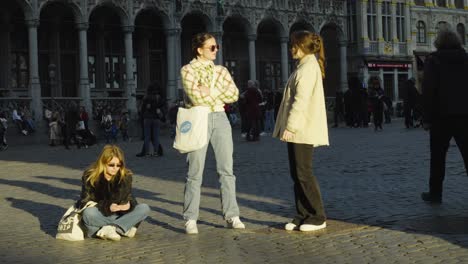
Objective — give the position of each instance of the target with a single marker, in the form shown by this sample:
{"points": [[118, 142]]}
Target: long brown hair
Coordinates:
{"points": [[197, 42], [94, 171], [310, 43]]}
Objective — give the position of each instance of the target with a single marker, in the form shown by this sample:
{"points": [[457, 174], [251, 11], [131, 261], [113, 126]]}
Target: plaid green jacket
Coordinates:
{"points": [[223, 91]]}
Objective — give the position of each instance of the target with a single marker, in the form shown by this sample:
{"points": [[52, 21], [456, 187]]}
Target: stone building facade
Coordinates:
{"points": [[104, 53]]}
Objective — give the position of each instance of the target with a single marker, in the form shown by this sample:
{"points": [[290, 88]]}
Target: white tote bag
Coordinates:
{"points": [[70, 227], [191, 129]]}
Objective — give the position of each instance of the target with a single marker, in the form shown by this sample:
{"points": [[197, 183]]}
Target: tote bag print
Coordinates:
{"points": [[70, 226], [191, 129]]}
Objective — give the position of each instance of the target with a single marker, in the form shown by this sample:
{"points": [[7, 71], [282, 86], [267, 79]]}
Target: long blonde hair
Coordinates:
{"points": [[94, 171], [310, 43]]}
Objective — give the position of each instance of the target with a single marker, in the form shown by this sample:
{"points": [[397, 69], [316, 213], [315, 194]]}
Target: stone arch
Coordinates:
{"points": [[27, 9], [279, 26], [207, 21], [333, 24], [242, 20], [301, 24], [76, 10], [191, 24], [122, 13], [160, 13]]}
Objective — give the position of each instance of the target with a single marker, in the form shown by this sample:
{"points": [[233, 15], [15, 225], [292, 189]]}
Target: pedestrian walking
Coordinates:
{"points": [[152, 113], [376, 95], [445, 110], [409, 102], [302, 123], [108, 182], [253, 99], [212, 86]]}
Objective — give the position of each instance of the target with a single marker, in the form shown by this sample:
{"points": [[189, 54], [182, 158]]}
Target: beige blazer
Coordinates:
{"points": [[302, 110]]}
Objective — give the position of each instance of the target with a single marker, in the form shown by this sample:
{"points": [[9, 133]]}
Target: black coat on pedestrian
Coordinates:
{"points": [[105, 193], [445, 85]]}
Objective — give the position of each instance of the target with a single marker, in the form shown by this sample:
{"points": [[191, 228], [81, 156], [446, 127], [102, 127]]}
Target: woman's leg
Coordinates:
{"points": [[138, 214], [300, 215], [93, 220], [221, 140], [196, 165]]}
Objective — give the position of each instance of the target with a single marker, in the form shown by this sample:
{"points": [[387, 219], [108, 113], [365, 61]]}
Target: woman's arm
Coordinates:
{"points": [[305, 83], [191, 87], [230, 94]]}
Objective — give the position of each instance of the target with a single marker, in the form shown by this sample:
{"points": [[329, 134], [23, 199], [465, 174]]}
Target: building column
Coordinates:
{"points": [[252, 57], [409, 40], [284, 60], [380, 39], [219, 41], [365, 34], [465, 4], [84, 91], [395, 86], [178, 61], [451, 4], [5, 67], [428, 3], [130, 81], [171, 89], [34, 83], [344, 67], [395, 39]]}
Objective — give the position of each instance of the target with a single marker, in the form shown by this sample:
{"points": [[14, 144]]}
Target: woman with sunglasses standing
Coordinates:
{"points": [[206, 84], [109, 183], [302, 123]]}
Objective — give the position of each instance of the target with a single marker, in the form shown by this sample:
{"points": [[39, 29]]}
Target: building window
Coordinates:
{"points": [[400, 22], [441, 25], [459, 4], [420, 2], [352, 21], [371, 19], [92, 71], [19, 78], [421, 34], [442, 3], [461, 32], [386, 21]]}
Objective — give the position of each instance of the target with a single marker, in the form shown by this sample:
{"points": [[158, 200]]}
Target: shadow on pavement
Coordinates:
{"points": [[43, 212]]}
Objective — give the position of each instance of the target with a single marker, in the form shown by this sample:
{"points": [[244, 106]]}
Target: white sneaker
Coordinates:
{"points": [[310, 227], [191, 227], [131, 232], [108, 232], [235, 223], [244, 135], [263, 134], [290, 226]]}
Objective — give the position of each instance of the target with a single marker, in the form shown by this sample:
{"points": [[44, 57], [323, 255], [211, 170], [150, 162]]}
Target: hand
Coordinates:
{"points": [[124, 207], [204, 90], [287, 135], [114, 207]]}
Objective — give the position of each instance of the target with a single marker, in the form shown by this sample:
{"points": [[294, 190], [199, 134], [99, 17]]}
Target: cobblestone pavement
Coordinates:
{"points": [[370, 184]]}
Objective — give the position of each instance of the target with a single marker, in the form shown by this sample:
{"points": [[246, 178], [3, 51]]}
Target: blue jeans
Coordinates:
{"points": [[93, 219], [269, 120], [220, 137], [151, 133]]}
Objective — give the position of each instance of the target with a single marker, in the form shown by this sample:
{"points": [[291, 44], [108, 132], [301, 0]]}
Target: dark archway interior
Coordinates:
{"points": [[268, 53], [236, 50], [191, 24], [332, 56]]}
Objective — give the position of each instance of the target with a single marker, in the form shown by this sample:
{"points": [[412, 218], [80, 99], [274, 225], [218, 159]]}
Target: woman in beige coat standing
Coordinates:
{"points": [[302, 123]]}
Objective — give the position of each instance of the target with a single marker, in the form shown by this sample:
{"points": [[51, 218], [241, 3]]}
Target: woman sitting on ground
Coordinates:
{"points": [[109, 183]]}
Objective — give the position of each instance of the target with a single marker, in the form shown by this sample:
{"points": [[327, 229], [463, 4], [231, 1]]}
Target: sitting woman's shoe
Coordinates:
{"points": [[290, 226], [311, 227]]}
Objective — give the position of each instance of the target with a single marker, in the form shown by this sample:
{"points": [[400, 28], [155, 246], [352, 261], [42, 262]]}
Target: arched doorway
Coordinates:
{"points": [[150, 50], [58, 51], [106, 53], [14, 51], [331, 83], [268, 53], [236, 49], [192, 24]]}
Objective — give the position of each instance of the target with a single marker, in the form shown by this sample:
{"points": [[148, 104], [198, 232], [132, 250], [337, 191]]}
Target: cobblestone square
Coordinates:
{"points": [[370, 184]]}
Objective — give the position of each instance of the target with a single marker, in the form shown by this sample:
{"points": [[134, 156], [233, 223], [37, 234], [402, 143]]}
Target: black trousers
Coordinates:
{"points": [[441, 133], [309, 205]]}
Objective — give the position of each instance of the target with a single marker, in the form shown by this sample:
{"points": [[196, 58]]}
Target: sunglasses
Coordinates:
{"points": [[212, 48], [112, 165]]}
